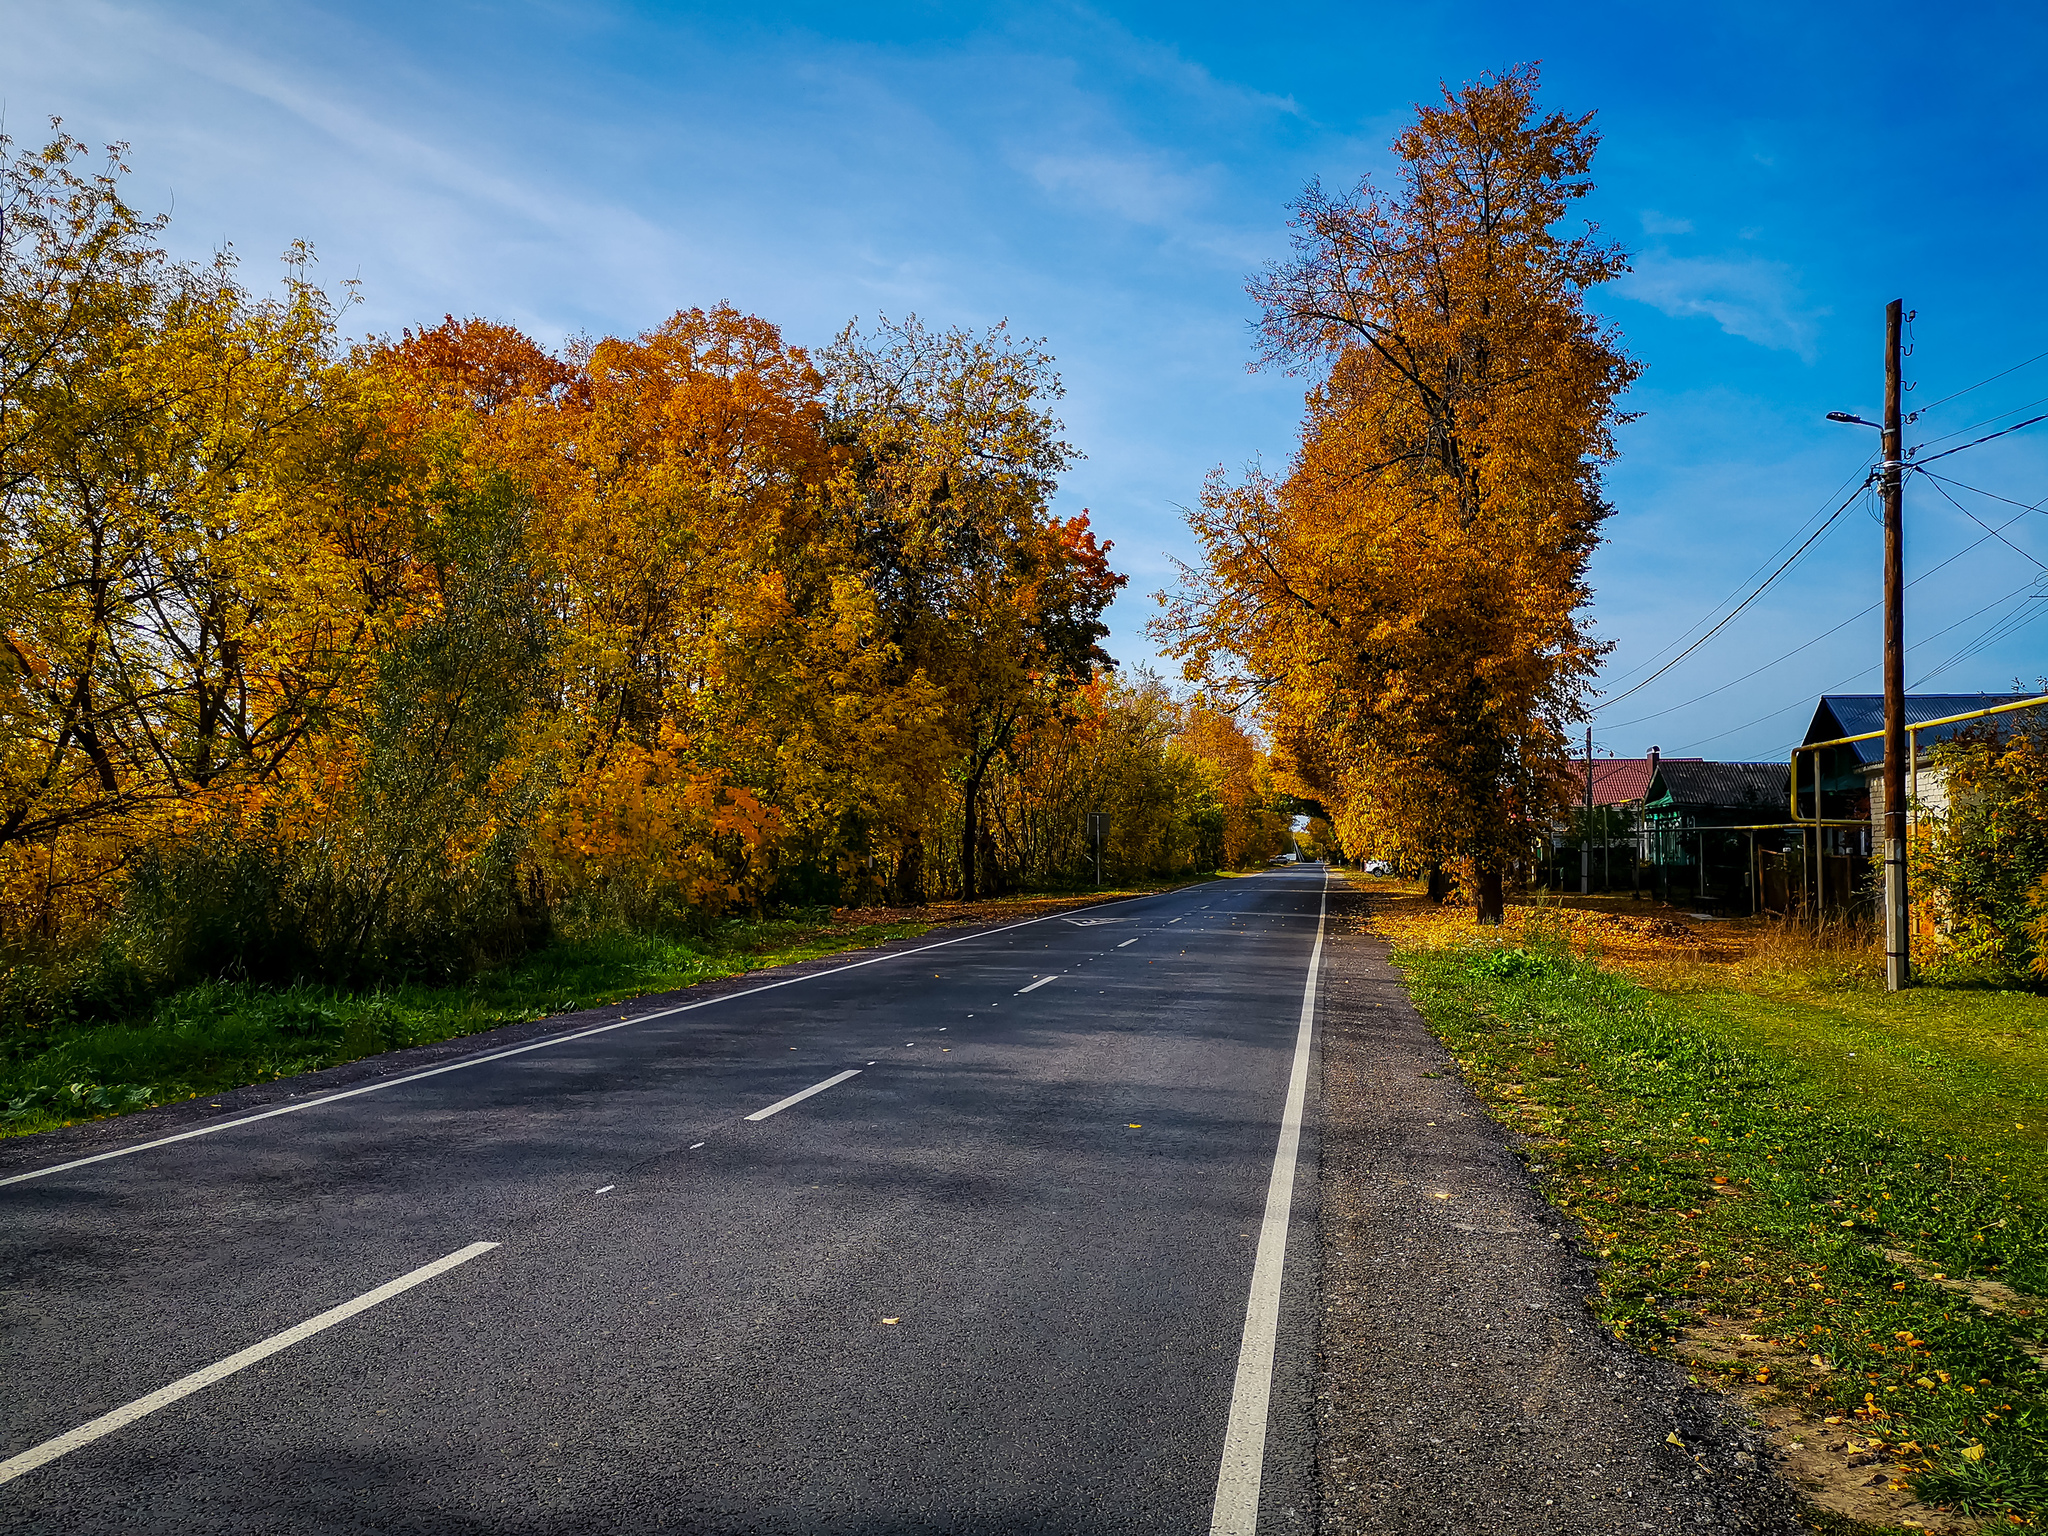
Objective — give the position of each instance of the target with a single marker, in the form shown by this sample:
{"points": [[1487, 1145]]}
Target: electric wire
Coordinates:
{"points": [[1989, 535], [1988, 437], [1679, 639], [2015, 368], [1973, 426], [1997, 534], [1734, 613]]}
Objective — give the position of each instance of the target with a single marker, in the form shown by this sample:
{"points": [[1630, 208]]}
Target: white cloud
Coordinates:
{"points": [[1135, 187], [1757, 300], [1655, 223]]}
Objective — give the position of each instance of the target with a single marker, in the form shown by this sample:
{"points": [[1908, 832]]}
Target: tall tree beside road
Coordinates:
{"points": [[1405, 605]]}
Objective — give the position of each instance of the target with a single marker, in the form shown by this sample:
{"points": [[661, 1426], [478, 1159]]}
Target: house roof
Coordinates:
{"points": [[1724, 786], [1851, 714], [1617, 780]]}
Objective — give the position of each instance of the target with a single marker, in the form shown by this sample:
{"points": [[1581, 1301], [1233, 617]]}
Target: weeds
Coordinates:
{"points": [[1772, 1146]]}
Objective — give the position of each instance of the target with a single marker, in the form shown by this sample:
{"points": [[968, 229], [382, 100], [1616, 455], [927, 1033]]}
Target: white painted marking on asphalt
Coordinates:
{"points": [[797, 1098], [608, 1189], [696, 1144], [185, 1386], [536, 1045], [1036, 984], [1236, 1510], [1127, 943]]}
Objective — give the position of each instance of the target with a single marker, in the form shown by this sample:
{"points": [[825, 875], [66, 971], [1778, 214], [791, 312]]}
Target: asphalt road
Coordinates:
{"points": [[997, 1281]]}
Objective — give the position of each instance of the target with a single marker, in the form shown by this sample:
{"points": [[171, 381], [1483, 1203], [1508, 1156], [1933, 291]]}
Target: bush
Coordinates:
{"points": [[1984, 862]]}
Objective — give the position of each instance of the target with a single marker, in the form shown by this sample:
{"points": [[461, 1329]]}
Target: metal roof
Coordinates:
{"points": [[1724, 786], [1616, 780], [1851, 714]]}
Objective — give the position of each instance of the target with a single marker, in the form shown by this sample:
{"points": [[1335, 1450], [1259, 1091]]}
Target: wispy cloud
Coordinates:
{"points": [[1655, 223], [1759, 301], [1137, 187]]}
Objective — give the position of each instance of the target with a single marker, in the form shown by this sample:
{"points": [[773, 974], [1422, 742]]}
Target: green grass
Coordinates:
{"points": [[1744, 1158], [216, 1036]]}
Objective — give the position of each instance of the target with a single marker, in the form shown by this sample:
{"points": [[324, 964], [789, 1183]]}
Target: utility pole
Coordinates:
{"points": [[1586, 834], [1897, 929]]}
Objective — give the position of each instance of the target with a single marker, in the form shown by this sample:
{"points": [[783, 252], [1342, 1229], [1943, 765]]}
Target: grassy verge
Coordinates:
{"points": [[220, 1036], [1850, 1189]]}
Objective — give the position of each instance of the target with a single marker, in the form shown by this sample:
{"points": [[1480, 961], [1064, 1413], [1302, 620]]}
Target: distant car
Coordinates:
{"points": [[1284, 858]]}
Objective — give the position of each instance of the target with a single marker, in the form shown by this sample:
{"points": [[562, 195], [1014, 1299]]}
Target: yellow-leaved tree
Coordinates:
{"points": [[1406, 604]]}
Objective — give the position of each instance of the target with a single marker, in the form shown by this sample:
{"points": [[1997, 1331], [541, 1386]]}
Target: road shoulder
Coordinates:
{"points": [[1464, 1385]]}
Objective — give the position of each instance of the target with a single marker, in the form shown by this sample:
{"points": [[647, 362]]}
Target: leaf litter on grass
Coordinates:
{"points": [[1823, 1251]]}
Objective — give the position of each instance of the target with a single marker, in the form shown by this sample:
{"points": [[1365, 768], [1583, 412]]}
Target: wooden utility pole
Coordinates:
{"points": [[1586, 833], [1897, 930]]}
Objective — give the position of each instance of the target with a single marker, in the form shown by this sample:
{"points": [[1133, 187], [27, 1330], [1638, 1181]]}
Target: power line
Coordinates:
{"points": [[1997, 631], [1734, 613], [1989, 535], [1679, 638], [2015, 368], [1964, 448], [1973, 426], [1978, 490], [1997, 534], [1864, 671]]}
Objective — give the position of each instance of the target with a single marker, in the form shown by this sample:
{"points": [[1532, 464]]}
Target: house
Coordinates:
{"points": [[1610, 835], [1706, 831], [1851, 777]]}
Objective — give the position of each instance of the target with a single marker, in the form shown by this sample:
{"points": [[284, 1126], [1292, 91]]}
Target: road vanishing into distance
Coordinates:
{"points": [[1009, 1233]]}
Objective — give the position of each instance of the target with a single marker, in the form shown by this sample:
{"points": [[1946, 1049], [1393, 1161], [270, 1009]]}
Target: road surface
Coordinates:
{"points": [[1000, 1270]]}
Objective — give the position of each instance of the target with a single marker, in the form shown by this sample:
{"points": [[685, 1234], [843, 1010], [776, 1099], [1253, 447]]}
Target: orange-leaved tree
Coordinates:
{"points": [[1406, 604]]}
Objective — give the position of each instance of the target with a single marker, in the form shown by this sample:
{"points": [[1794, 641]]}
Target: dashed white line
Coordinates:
{"points": [[520, 1050], [1126, 943], [185, 1386], [797, 1098], [1036, 984], [607, 1189], [696, 1144]]}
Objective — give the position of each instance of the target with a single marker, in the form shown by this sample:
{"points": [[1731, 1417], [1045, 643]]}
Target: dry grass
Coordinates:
{"points": [[1663, 946]]}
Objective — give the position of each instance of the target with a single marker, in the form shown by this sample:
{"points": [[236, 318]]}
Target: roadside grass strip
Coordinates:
{"points": [[1855, 1191], [218, 1036]]}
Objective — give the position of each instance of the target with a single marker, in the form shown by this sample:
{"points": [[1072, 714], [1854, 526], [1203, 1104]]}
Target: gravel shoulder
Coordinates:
{"points": [[1464, 1384]]}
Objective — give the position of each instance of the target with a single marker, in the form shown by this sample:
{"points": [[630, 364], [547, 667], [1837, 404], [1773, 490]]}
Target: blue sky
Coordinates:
{"points": [[1106, 177]]}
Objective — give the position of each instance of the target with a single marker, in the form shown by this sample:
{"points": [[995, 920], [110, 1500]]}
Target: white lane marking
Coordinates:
{"points": [[1236, 1510], [537, 1045], [608, 1189], [1036, 985], [185, 1386], [696, 1144], [797, 1098], [1127, 943]]}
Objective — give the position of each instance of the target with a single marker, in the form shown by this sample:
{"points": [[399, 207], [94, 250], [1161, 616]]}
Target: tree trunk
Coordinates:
{"points": [[1439, 885], [910, 874], [970, 836], [1488, 900]]}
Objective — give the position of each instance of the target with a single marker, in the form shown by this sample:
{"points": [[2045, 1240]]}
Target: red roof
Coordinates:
{"points": [[1617, 780]]}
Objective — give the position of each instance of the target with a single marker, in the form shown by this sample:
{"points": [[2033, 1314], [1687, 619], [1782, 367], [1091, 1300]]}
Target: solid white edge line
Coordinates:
{"points": [[1236, 1510], [1038, 983], [185, 1386], [797, 1098], [538, 1045]]}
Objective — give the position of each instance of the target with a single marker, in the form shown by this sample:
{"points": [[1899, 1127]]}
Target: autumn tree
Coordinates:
{"points": [[952, 457], [172, 616], [1406, 604]]}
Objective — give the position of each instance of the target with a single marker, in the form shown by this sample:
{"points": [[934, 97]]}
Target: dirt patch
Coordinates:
{"points": [[1842, 1464]]}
